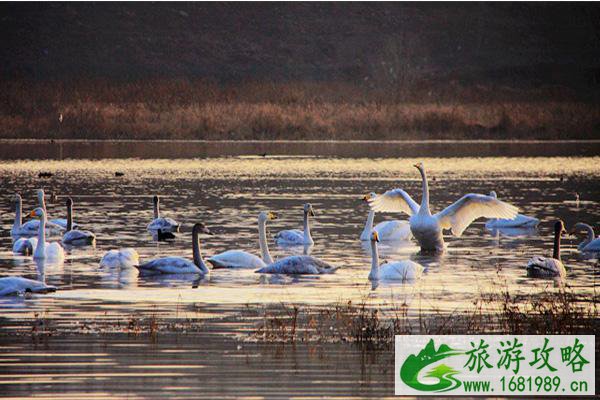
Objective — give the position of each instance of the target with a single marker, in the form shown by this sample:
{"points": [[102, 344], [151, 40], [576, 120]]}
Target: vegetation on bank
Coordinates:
{"points": [[196, 109], [554, 312], [559, 313]]}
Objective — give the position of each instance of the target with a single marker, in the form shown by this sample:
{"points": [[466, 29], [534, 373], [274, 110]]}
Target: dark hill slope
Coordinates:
{"points": [[517, 44]]}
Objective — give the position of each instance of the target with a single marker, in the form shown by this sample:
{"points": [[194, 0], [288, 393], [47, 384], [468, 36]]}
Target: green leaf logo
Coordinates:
{"points": [[409, 372]]}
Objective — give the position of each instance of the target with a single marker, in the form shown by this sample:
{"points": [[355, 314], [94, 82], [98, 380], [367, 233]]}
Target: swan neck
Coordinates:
{"points": [[369, 224], [374, 274], [156, 210], [69, 217], [262, 242], [556, 253], [307, 237], [42, 201], [425, 199], [18, 217], [198, 261], [40, 249], [590, 233]]}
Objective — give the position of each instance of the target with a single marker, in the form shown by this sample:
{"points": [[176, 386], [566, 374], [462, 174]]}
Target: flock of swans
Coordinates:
{"points": [[30, 239]]}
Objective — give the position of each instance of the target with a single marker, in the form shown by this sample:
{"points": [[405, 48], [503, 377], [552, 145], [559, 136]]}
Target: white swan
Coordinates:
{"points": [[49, 251], [243, 259], [59, 224], [75, 237], [162, 223], [19, 285], [545, 267], [387, 230], [427, 228], [404, 271], [24, 246], [31, 227], [520, 221], [179, 265], [296, 236], [121, 258], [591, 244]]}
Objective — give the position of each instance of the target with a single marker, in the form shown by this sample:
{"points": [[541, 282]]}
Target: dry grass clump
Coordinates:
{"points": [[562, 312], [196, 109]]}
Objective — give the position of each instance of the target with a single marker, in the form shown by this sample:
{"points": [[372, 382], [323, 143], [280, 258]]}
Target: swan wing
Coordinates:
{"points": [[17, 284], [129, 257], [394, 200], [593, 246], [520, 221], [110, 259], [405, 270], [236, 259], [60, 223], [169, 265], [78, 236], [290, 236], [54, 251], [545, 267], [393, 230], [30, 227], [298, 265], [461, 214], [164, 224]]}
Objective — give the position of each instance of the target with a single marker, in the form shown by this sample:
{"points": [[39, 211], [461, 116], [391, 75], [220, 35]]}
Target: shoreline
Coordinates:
{"points": [[59, 149], [408, 141]]}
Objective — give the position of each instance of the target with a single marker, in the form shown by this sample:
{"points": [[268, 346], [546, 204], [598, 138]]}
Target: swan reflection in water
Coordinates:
{"points": [[173, 280]]}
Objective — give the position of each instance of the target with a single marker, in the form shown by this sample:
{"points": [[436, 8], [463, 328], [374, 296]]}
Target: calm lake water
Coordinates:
{"points": [[227, 194]]}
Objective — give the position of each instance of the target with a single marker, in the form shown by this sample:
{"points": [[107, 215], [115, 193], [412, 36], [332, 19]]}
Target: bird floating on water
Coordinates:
{"points": [[394, 230], [294, 237], [546, 267], [403, 271]]}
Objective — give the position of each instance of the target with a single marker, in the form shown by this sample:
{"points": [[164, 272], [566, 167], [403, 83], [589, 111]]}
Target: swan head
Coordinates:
{"points": [[369, 196], [69, 202], [308, 209], [17, 198], [419, 166], [155, 199], [267, 216], [201, 228], [40, 194], [374, 236], [559, 227], [38, 213], [493, 194]]}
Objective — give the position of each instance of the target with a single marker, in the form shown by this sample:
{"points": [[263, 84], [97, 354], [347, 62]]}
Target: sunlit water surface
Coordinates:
{"points": [[228, 193]]}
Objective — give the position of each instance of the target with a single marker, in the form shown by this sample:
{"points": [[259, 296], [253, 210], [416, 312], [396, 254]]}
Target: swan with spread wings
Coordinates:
{"points": [[428, 228]]}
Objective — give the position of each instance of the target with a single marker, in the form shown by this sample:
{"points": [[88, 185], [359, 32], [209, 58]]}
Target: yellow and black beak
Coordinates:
{"points": [[32, 213], [272, 215], [366, 197], [376, 237], [311, 212]]}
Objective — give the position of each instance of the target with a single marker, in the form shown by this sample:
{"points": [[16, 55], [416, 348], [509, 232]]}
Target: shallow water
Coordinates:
{"points": [[228, 193], [203, 366]]}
